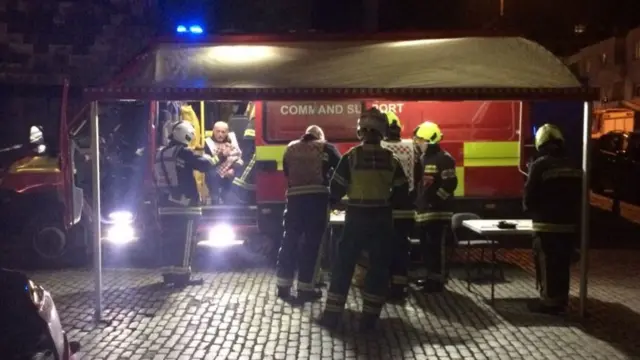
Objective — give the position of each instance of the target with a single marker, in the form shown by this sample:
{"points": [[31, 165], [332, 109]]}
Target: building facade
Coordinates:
{"points": [[613, 66]]}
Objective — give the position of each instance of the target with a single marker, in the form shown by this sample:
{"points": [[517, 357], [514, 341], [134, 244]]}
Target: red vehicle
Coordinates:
{"points": [[488, 118]]}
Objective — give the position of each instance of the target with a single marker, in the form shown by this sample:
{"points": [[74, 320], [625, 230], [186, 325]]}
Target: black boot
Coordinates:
{"points": [[330, 320], [309, 295], [397, 294], [368, 323], [432, 286], [284, 293], [536, 306]]}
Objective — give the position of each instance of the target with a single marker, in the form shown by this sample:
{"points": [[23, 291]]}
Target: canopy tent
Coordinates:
{"points": [[458, 68], [487, 68]]}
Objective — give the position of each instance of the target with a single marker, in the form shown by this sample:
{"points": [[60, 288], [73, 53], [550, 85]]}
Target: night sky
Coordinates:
{"points": [[549, 21]]}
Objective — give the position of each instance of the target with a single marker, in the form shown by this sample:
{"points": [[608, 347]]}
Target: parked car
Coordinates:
{"points": [[616, 166]]}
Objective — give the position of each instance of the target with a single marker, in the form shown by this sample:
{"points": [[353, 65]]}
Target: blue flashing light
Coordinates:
{"points": [[195, 29], [181, 29]]}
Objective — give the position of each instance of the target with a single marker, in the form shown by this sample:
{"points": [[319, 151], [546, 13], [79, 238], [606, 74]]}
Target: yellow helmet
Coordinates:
{"points": [[548, 133], [429, 132], [393, 119]]}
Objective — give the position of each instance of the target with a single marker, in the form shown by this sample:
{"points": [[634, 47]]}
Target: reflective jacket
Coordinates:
{"points": [[370, 176], [405, 151], [552, 194], [307, 165], [173, 170], [436, 180]]}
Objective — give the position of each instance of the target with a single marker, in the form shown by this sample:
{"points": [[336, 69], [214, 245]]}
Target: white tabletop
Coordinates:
{"points": [[490, 227]]}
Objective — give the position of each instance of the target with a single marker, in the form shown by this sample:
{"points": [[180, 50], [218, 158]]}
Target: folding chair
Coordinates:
{"points": [[464, 237]]}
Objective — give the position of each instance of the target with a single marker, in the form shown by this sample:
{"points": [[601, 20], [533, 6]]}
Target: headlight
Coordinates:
{"points": [[121, 217], [40, 149], [221, 235], [121, 234]]}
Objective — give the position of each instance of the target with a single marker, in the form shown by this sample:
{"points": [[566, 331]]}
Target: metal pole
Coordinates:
{"points": [[584, 243], [97, 246]]}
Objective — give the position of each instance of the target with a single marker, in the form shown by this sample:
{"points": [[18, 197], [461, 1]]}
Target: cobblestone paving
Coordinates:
{"points": [[235, 315]]}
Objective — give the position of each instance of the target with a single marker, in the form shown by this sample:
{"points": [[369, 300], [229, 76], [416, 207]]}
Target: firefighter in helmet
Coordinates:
{"points": [[403, 217], [374, 182], [307, 165], [552, 197], [435, 181], [179, 201]]}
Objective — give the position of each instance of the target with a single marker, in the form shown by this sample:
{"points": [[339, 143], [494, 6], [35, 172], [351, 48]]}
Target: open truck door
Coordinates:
{"points": [[73, 196]]}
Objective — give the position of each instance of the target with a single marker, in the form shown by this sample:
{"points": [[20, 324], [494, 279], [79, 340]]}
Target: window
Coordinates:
{"points": [[603, 58], [636, 50], [287, 120]]}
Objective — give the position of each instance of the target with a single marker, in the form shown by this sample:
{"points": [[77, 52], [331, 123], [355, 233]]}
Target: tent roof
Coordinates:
{"points": [[454, 68]]}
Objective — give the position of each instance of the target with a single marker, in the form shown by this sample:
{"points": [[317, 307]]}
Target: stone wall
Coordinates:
{"points": [[41, 42]]}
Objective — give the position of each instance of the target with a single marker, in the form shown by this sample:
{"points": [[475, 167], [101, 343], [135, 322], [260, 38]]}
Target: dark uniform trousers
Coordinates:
{"points": [[306, 216], [371, 230], [401, 253], [432, 243], [552, 253], [178, 223]]}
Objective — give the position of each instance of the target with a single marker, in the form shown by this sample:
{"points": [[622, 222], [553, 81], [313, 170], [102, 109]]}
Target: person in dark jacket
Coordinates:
{"points": [[374, 182], [179, 201], [307, 165], [435, 182], [552, 197]]}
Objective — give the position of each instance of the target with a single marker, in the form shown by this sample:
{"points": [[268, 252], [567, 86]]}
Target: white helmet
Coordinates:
{"points": [[183, 132]]}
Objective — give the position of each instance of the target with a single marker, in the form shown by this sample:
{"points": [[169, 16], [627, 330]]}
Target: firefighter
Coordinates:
{"points": [[179, 201], [374, 182], [552, 197], [307, 165], [243, 188], [435, 181], [403, 217]]}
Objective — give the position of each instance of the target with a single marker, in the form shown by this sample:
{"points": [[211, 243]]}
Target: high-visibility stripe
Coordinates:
{"points": [[308, 189], [271, 153], [460, 175], [404, 214], [491, 153]]}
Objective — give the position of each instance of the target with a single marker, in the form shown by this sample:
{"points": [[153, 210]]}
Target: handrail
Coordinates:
{"points": [[525, 173]]}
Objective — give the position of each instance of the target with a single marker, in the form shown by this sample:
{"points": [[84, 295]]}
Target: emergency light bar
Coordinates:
{"points": [[193, 29]]}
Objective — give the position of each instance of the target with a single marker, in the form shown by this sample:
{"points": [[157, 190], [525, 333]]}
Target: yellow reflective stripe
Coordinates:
{"points": [[250, 132], [491, 153], [271, 153], [336, 297], [372, 298], [561, 173], [399, 280], [404, 214], [333, 308], [243, 184], [430, 169], [443, 194], [307, 189], [180, 211], [460, 175], [375, 310], [433, 216], [305, 286], [556, 228]]}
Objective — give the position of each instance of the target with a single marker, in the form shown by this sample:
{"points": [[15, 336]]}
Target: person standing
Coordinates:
{"points": [[374, 182], [403, 218], [552, 196], [307, 163], [435, 181], [179, 201]]}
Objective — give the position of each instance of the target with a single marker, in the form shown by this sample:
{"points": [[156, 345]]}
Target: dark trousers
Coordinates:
{"points": [[371, 230], [552, 254], [305, 221], [431, 243], [178, 240], [401, 253], [216, 186]]}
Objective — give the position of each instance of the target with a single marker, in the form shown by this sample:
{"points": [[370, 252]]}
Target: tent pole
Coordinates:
{"points": [[584, 218], [97, 246]]}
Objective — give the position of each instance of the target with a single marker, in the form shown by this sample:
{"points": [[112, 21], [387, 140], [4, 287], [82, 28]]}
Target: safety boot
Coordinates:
{"points": [[284, 292], [368, 323], [397, 294], [536, 306], [432, 286], [309, 295], [330, 320]]}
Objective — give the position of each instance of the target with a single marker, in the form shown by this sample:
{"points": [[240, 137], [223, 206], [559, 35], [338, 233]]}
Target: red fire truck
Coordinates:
{"points": [[488, 93]]}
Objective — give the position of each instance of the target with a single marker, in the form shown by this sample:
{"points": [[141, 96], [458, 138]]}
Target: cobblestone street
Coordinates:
{"points": [[236, 315]]}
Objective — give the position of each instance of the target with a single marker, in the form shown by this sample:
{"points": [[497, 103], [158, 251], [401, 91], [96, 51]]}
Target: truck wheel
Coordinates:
{"points": [[52, 245]]}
